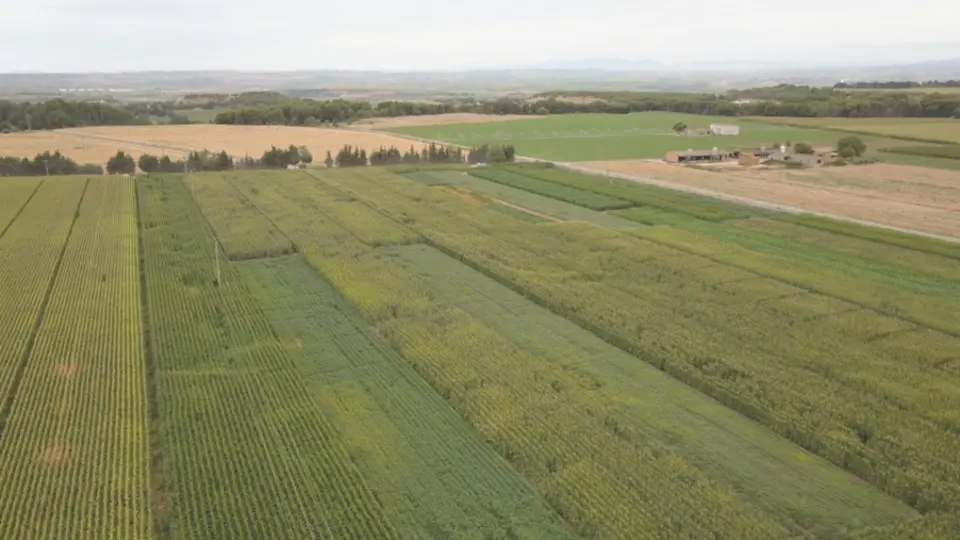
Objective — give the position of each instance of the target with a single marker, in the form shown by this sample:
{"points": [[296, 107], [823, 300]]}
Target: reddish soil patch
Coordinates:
{"points": [[465, 195], [54, 455], [66, 370], [526, 210]]}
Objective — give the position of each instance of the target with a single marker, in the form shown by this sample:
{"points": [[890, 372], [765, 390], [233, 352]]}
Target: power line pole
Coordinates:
{"points": [[216, 255], [46, 165]]}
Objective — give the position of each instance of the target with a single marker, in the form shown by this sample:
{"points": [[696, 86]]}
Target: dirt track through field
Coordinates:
{"points": [[913, 199]]}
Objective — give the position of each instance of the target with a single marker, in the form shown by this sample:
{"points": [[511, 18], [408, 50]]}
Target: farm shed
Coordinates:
{"points": [[725, 129], [698, 156]]}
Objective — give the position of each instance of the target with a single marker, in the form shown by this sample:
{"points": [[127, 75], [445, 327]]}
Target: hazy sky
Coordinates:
{"points": [[114, 35]]}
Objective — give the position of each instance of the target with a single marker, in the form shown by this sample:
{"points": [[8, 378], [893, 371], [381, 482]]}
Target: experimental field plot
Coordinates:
{"points": [[595, 137]]}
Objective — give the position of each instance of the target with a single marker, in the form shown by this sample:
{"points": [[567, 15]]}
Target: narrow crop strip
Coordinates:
{"points": [[18, 374]]}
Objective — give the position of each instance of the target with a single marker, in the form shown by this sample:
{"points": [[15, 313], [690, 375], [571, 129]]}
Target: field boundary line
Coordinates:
{"points": [[158, 488], [803, 286], [842, 130], [20, 211], [296, 247], [756, 203], [38, 324]]}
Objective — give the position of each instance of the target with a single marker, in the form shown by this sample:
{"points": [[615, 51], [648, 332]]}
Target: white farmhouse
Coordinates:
{"points": [[725, 129]]}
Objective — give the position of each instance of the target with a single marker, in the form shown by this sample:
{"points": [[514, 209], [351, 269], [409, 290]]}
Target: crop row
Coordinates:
{"points": [[840, 380], [603, 485], [29, 251], [300, 201], [929, 302], [14, 193], [588, 199], [951, 151], [242, 231], [481, 189], [520, 399], [74, 450], [684, 203], [432, 472], [877, 234], [247, 451]]}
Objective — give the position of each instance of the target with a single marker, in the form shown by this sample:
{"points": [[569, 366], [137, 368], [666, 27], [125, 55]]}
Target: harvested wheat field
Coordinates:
{"points": [[97, 144], [908, 197], [82, 150], [437, 119]]}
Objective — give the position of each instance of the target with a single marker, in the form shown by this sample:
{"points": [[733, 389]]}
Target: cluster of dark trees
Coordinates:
{"points": [[351, 156], [61, 113], [894, 85], [205, 160], [45, 164], [491, 153], [850, 147], [781, 100], [149, 163], [305, 112]]}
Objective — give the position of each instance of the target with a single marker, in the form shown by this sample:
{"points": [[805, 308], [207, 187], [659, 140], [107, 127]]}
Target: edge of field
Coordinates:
{"points": [[756, 203]]}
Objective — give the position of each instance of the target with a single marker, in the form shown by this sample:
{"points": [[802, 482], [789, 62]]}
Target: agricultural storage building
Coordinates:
{"points": [[725, 129], [698, 156]]}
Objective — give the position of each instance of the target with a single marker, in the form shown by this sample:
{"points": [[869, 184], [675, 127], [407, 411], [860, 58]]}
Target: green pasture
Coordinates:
{"points": [[596, 137]]}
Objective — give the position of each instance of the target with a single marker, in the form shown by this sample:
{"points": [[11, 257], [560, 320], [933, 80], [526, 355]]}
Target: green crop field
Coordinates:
{"points": [[515, 352], [945, 130], [596, 137]]}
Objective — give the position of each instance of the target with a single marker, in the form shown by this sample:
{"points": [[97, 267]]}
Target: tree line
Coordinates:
{"points": [[351, 156], [61, 113], [45, 164], [894, 85], [271, 108]]}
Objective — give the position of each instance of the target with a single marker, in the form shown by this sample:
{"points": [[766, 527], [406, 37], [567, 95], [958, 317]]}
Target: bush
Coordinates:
{"points": [[846, 152], [121, 163], [853, 143], [89, 168], [803, 148], [148, 163]]}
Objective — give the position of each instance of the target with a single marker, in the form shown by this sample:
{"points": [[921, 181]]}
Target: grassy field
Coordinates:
{"points": [[594, 137], [533, 354], [929, 129]]}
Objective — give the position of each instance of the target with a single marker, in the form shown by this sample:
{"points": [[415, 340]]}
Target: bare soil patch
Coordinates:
{"points": [[66, 370], [436, 120], [54, 455], [98, 144], [526, 210], [464, 194], [909, 197]]}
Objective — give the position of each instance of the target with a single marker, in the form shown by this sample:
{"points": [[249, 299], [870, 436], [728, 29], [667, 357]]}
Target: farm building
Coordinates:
{"points": [[699, 156], [725, 129]]}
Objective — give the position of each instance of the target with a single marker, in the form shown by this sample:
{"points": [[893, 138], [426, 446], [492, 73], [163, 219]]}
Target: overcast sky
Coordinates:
{"points": [[121, 35]]}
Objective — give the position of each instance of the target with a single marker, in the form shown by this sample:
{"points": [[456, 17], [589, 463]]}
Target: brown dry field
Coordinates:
{"points": [[435, 120], [98, 144], [917, 198]]}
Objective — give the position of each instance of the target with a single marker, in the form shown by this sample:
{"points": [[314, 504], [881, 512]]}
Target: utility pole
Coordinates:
{"points": [[46, 165], [216, 255], [29, 128]]}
